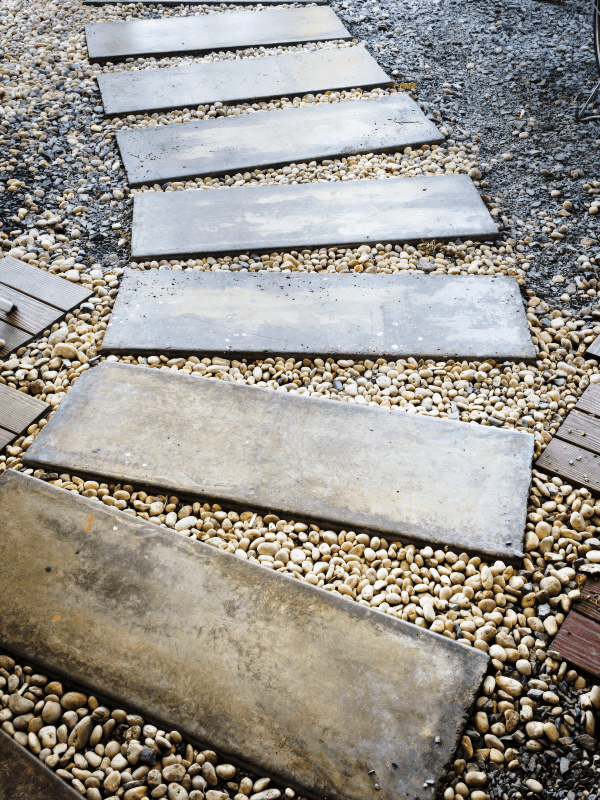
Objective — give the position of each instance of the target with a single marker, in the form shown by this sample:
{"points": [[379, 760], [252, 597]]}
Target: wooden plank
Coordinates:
{"points": [[425, 316], [52, 290], [582, 430], [589, 604], [274, 638], [6, 437], [341, 463], [269, 218], [569, 461], [13, 338], [28, 314], [578, 641], [247, 79], [229, 145], [590, 401], [18, 410], [25, 777], [594, 348], [115, 41]]}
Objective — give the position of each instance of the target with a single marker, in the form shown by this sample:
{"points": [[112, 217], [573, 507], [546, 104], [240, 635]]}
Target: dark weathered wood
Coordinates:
{"points": [[594, 348], [12, 337], [18, 410], [271, 218], [230, 652], [24, 777], [195, 35], [247, 79], [28, 314], [589, 604], [6, 437], [425, 316], [231, 144], [578, 641], [574, 463], [342, 463], [582, 430], [589, 401], [52, 290]]}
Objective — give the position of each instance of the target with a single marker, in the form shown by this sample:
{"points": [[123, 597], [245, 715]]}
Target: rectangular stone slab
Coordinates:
{"points": [[435, 480], [308, 687], [24, 777], [115, 41], [425, 316], [247, 79], [271, 218], [176, 152], [197, 2]]}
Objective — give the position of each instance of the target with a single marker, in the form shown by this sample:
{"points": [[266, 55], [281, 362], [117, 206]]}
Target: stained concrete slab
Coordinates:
{"points": [[116, 41], [434, 480], [229, 652], [228, 145], [425, 316], [271, 218], [24, 777], [248, 79]]}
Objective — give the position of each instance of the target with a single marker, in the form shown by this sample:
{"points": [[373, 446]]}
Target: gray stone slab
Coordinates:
{"points": [[115, 41], [228, 145], [196, 2], [425, 316], [24, 777], [305, 686], [271, 218], [434, 480], [247, 79]]}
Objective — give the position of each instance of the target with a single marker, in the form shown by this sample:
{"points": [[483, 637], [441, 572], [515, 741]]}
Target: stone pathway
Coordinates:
{"points": [[242, 645], [116, 41]]}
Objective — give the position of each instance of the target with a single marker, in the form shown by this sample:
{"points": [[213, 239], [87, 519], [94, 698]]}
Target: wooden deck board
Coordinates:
{"points": [[578, 641], [572, 462], [19, 410], [24, 777]]}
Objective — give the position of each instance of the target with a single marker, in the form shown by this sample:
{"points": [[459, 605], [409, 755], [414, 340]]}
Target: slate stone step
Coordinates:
{"points": [[229, 652], [238, 314], [116, 41], [272, 218], [235, 144], [433, 480], [247, 79], [24, 777]]}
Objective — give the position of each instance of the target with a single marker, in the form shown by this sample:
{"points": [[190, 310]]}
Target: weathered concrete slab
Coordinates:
{"points": [[247, 79], [232, 144], [115, 41], [271, 218], [24, 777], [230, 652], [431, 479], [425, 316]]}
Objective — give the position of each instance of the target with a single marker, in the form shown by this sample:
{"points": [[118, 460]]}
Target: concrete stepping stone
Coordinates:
{"points": [[216, 313], [24, 777], [429, 479], [247, 79], [231, 652], [116, 41], [271, 218], [193, 149]]}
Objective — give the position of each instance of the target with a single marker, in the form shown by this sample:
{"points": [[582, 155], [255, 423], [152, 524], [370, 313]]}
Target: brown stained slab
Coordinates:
{"points": [[435, 480], [424, 316], [28, 314], [17, 412], [24, 777], [195, 35], [248, 79], [301, 684], [13, 338], [229, 145], [578, 641], [271, 218], [572, 462]]}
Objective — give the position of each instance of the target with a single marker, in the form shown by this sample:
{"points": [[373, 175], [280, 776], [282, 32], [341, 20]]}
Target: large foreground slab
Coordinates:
{"points": [[115, 41], [232, 144], [230, 652], [425, 316], [24, 777], [246, 79], [431, 479], [271, 218]]}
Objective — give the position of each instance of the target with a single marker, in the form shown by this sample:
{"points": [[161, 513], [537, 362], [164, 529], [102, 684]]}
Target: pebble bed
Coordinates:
{"points": [[67, 209]]}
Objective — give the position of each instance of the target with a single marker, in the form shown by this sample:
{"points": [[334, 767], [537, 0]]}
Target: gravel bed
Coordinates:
{"points": [[505, 102]]}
